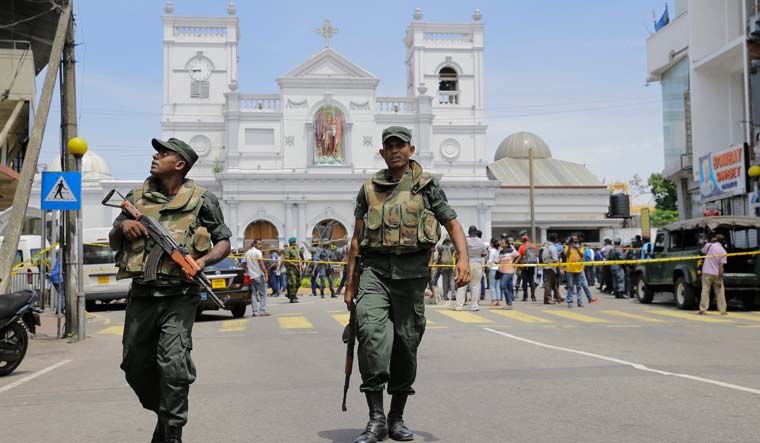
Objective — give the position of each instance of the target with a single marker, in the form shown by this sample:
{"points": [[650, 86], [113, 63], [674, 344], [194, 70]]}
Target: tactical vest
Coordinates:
{"points": [[180, 217], [397, 220]]}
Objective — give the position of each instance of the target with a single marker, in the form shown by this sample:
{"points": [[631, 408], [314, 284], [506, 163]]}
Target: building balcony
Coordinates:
{"points": [[667, 46], [448, 97]]}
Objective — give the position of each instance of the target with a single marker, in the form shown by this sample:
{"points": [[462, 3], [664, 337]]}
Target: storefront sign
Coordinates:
{"points": [[722, 174]]}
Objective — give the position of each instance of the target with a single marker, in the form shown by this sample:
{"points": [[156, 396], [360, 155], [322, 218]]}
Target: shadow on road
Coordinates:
{"points": [[349, 435], [220, 316]]}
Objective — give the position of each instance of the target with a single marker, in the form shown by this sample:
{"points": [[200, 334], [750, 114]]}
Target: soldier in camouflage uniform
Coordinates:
{"points": [[292, 269], [618, 273], [397, 213], [160, 314]]}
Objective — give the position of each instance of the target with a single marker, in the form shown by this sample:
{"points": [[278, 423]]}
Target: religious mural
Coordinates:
{"points": [[328, 133]]}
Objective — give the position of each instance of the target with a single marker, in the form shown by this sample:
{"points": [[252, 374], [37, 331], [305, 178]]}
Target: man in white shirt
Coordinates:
{"points": [[257, 270], [478, 251]]}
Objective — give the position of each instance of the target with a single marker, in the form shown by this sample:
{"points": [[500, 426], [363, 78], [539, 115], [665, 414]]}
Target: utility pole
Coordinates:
{"points": [[68, 163], [532, 197], [12, 232]]}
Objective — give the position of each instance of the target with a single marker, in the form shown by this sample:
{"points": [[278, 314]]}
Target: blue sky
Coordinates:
{"points": [[572, 72]]}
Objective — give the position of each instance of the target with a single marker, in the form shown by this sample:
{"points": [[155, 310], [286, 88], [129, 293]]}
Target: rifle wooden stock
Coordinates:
{"points": [[351, 328]]}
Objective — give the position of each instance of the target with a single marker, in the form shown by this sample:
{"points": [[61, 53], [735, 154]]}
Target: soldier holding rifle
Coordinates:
{"points": [[397, 212], [161, 311]]}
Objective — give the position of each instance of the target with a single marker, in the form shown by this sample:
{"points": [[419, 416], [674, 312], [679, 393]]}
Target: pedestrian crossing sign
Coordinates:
{"points": [[61, 190]]}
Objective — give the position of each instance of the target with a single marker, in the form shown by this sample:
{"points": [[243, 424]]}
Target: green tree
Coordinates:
{"points": [[662, 217], [664, 192]]}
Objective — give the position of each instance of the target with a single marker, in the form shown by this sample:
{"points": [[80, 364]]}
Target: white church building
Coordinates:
{"points": [[292, 157]]}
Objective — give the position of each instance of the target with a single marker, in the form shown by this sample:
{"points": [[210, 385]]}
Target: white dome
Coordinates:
{"points": [[94, 167], [518, 144]]}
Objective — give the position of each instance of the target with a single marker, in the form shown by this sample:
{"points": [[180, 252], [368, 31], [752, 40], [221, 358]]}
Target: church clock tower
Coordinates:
{"points": [[200, 66]]}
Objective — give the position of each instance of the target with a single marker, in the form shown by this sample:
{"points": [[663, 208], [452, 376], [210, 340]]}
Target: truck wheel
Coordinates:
{"points": [[237, 311], [644, 293], [685, 294], [748, 301]]}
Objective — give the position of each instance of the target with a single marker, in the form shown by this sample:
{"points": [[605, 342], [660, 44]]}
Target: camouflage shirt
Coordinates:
{"points": [[414, 265]]}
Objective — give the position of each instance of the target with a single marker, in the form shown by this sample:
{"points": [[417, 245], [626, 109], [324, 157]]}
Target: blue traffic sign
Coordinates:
{"points": [[61, 190]]}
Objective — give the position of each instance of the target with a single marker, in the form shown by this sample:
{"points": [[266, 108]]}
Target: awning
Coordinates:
{"points": [[724, 221]]}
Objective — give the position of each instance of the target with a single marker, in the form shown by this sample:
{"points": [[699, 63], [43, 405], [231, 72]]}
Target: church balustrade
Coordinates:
{"points": [[260, 102], [448, 36], [448, 97], [200, 31], [394, 105]]}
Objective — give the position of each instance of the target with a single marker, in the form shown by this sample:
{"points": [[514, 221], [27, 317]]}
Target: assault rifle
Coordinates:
{"points": [[165, 244], [349, 333]]}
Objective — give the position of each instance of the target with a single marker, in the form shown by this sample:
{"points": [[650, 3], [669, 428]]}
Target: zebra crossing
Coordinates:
{"points": [[440, 318]]}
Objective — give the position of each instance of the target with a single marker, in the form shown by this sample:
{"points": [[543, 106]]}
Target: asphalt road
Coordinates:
{"points": [[613, 371]]}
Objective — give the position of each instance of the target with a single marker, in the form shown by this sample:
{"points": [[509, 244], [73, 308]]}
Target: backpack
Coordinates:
{"points": [[546, 256], [531, 256], [446, 257]]}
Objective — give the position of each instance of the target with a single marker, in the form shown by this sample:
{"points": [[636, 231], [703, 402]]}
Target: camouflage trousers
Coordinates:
{"points": [[618, 279], [293, 280]]}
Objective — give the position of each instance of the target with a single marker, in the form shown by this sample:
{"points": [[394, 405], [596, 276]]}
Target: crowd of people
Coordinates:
{"points": [[494, 269], [493, 266], [267, 269]]}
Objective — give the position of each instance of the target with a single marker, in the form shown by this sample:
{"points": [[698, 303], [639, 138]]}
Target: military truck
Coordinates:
{"points": [[683, 277]]}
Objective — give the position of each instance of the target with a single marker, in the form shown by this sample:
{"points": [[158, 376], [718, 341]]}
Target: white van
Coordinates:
{"points": [[100, 269], [26, 276]]}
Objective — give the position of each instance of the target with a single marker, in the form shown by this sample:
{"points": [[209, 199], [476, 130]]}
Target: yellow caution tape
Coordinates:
{"points": [[544, 265]]}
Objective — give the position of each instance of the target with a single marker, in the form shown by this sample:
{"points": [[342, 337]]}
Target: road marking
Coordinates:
{"points": [[521, 316], [744, 316], [638, 366], [233, 325], [577, 317], [107, 321], [295, 322], [113, 330], [30, 377], [691, 316], [342, 319], [632, 316], [465, 317]]}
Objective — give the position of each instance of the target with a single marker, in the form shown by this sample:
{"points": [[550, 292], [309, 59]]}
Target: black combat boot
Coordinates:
{"points": [[158, 433], [173, 434], [377, 428], [397, 430]]}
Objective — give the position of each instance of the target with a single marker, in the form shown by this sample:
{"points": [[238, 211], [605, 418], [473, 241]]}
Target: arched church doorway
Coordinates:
{"points": [[264, 230], [330, 231]]}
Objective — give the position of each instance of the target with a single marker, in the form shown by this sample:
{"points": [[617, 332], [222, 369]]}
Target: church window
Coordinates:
{"points": [[198, 89], [448, 91], [329, 136]]}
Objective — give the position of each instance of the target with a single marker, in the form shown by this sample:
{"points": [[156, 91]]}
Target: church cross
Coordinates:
{"points": [[327, 31]]}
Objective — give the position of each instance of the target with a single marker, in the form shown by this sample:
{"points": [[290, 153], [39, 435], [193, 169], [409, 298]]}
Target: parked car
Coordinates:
{"points": [[28, 275], [229, 279], [100, 269], [683, 277]]}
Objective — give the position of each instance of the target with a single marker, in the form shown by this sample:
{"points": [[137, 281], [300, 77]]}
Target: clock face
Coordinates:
{"points": [[200, 69]]}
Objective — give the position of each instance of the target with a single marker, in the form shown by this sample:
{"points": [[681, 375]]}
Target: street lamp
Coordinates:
{"points": [[77, 147], [754, 173]]}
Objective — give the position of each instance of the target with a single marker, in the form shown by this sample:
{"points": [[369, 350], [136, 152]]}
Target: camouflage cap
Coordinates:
{"points": [[174, 144], [401, 132]]}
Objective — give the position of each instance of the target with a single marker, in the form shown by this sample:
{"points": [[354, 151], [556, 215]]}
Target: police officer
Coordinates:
{"points": [[160, 314], [397, 212], [293, 269]]}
